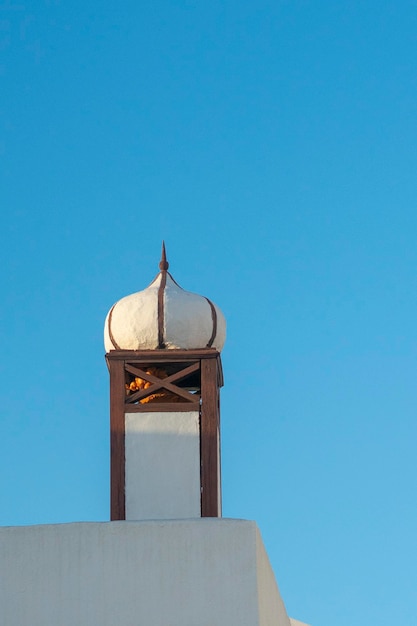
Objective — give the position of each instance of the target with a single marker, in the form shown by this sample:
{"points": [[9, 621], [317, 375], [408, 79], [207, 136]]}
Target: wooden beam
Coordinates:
{"points": [[160, 407], [177, 376], [172, 356]]}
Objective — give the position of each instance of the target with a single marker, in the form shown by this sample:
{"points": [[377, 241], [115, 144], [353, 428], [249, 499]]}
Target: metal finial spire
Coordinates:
{"points": [[163, 264]]}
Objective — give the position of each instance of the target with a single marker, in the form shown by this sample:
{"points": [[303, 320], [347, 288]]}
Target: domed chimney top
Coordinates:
{"points": [[164, 316]]}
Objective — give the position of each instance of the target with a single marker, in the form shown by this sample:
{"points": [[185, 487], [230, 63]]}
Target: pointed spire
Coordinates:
{"points": [[163, 264]]}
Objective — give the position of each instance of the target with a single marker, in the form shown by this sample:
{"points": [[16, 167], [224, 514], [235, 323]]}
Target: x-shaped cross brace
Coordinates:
{"points": [[162, 383]]}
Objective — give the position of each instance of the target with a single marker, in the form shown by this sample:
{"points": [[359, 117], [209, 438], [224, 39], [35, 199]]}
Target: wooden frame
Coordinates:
{"points": [[204, 365]]}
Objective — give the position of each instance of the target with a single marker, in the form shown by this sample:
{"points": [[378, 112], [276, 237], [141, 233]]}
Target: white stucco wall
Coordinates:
{"points": [[205, 572], [162, 465], [271, 607], [295, 622]]}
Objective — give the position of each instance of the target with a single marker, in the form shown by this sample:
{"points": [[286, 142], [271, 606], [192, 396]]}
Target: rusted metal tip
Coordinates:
{"points": [[163, 263]]}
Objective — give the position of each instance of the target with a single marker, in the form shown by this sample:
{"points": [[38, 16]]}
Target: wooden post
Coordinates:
{"points": [[117, 440], [209, 440]]}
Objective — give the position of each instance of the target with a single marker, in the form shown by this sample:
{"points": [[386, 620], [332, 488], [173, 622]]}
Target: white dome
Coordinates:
{"points": [[164, 316]]}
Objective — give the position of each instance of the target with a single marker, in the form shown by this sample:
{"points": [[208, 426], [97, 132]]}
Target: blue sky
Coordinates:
{"points": [[273, 146]]}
